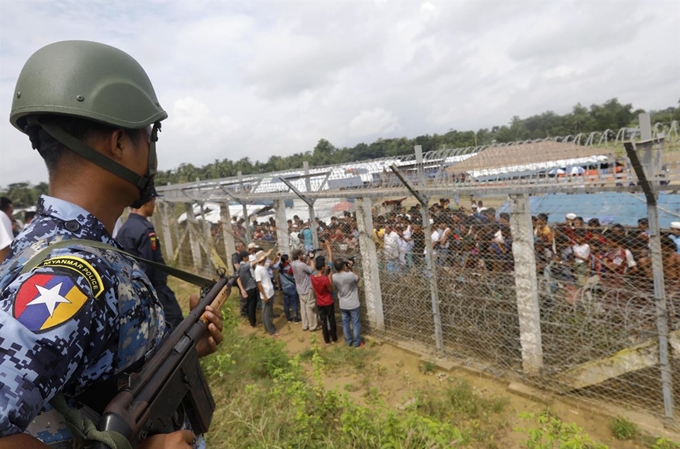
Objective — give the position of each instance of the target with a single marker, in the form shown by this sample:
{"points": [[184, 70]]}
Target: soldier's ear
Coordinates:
{"points": [[113, 144]]}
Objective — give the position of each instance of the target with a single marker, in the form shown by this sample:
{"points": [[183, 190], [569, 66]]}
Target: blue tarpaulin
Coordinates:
{"points": [[609, 207]]}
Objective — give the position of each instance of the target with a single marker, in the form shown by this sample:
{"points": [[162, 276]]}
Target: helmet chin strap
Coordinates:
{"points": [[144, 183]]}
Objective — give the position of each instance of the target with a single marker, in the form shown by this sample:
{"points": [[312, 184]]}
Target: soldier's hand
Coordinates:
{"points": [[208, 344], [182, 439]]}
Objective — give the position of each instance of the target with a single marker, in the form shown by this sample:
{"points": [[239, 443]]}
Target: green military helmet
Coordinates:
{"points": [[88, 80]]}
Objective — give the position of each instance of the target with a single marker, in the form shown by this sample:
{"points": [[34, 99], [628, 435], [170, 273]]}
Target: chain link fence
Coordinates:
{"points": [[533, 260]]}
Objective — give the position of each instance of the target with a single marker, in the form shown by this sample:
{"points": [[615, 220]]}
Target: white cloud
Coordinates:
{"points": [[375, 121], [192, 118], [256, 79]]}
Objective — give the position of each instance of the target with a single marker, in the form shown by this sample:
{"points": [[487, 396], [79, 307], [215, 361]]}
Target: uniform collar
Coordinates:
{"points": [[76, 220], [135, 216]]}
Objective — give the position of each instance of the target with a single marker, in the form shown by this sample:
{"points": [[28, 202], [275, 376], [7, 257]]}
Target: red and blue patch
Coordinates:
{"points": [[45, 301]]}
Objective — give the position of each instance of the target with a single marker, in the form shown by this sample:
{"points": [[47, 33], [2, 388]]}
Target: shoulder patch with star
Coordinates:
{"points": [[47, 300]]}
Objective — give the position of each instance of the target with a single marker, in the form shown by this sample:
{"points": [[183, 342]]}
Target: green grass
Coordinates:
{"points": [[428, 367], [623, 428], [267, 399]]}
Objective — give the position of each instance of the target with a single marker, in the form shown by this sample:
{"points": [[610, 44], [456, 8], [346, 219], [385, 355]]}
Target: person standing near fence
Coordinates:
{"points": [[248, 286], [321, 283], [392, 248], [290, 294], [236, 263], [302, 272], [137, 236], [266, 289], [307, 239], [346, 282]]}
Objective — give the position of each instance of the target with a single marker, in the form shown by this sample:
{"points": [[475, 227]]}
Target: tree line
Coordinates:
{"points": [[598, 117]]}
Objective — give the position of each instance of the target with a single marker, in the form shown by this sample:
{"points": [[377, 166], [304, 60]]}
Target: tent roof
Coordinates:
{"points": [[609, 207]]}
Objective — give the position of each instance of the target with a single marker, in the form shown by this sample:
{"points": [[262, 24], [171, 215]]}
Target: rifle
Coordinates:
{"points": [[148, 401]]}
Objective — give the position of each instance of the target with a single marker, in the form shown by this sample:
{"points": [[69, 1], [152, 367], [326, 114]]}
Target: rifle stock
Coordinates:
{"points": [[171, 380]]}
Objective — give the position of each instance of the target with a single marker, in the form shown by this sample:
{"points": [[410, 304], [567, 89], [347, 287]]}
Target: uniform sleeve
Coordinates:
{"points": [[78, 318], [56, 324]]}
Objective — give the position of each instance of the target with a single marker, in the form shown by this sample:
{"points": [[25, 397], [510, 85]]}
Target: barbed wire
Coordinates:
{"points": [[597, 322]]}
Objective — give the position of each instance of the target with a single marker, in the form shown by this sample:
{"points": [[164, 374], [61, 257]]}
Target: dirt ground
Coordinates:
{"points": [[400, 372]]}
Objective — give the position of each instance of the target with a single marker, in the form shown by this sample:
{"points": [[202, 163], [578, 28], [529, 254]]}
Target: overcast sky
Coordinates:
{"points": [[258, 78]]}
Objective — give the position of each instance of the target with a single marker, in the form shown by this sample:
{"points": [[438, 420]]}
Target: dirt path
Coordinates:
{"points": [[396, 373]]}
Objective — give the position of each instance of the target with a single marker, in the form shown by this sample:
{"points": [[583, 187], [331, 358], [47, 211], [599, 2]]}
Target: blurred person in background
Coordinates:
{"points": [[291, 301], [675, 233], [138, 237], [6, 234]]}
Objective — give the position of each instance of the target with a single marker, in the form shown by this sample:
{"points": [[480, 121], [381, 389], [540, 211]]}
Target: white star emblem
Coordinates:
{"points": [[49, 297]]}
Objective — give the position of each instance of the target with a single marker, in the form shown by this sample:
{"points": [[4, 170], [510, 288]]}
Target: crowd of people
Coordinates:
{"points": [[311, 284], [574, 251]]}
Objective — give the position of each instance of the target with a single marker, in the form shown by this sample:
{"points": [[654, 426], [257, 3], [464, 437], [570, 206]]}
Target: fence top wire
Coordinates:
{"points": [[582, 163]]}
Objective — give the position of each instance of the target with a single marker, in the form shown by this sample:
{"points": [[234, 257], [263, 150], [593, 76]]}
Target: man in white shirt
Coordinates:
{"points": [[6, 234], [266, 289], [391, 249]]}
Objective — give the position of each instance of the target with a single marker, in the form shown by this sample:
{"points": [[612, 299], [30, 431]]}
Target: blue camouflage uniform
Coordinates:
{"points": [[82, 316], [138, 237]]}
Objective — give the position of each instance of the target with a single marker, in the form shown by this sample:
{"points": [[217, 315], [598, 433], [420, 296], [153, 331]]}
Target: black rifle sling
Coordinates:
{"points": [[175, 272]]}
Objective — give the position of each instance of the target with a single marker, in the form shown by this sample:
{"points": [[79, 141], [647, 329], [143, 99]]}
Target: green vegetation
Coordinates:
{"points": [[552, 433], [266, 399], [623, 428], [664, 443], [428, 367]]}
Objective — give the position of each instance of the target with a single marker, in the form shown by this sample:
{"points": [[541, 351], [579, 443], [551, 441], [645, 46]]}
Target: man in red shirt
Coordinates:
{"points": [[321, 284]]}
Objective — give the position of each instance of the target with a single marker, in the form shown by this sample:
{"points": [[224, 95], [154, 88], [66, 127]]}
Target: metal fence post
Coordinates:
{"points": [[205, 226], [429, 258], [282, 237], [645, 158], [312, 218], [191, 229], [526, 284], [432, 274], [249, 237], [370, 264], [227, 235]]}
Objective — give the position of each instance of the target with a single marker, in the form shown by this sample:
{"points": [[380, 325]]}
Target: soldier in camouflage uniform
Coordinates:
{"points": [[83, 316]]}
